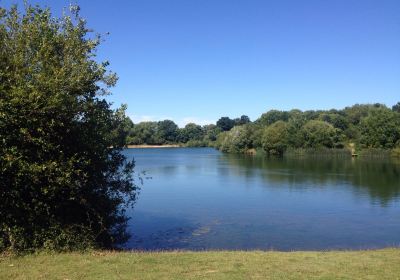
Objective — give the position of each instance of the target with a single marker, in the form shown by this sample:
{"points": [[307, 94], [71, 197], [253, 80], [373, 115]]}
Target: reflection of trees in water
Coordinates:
{"points": [[380, 178]]}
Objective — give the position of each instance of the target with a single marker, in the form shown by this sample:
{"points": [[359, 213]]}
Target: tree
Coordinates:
{"points": [[381, 129], [296, 121], [356, 113], [335, 119], [242, 120], [191, 132], [396, 108], [273, 116], [144, 133], [225, 123], [127, 124], [63, 179], [237, 140], [167, 132], [275, 138], [211, 132], [318, 134], [311, 115]]}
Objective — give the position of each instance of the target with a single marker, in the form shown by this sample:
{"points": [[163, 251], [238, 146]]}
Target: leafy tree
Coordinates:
{"points": [[225, 123], [318, 134], [63, 179], [144, 133], [296, 121], [294, 113], [275, 138], [396, 108], [127, 124], [311, 115], [352, 133], [191, 132], [211, 132], [167, 132], [335, 119], [381, 129], [242, 120], [237, 140], [357, 112], [257, 132], [273, 116], [366, 125]]}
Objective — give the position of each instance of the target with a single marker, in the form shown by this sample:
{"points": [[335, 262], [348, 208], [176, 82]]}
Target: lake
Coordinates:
{"points": [[200, 198]]}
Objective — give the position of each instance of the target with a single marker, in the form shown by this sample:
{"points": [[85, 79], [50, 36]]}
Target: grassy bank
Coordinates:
{"points": [[380, 264]]}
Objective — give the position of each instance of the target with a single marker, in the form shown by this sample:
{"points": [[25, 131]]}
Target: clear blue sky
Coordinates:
{"points": [[202, 59]]}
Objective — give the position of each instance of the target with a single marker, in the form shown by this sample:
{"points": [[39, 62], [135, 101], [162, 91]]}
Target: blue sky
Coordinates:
{"points": [[198, 60]]}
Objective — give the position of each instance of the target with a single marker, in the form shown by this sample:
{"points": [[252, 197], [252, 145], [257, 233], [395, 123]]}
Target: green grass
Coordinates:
{"points": [[380, 264]]}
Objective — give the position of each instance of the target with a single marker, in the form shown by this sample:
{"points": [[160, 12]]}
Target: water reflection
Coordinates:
{"points": [[380, 178], [201, 199]]}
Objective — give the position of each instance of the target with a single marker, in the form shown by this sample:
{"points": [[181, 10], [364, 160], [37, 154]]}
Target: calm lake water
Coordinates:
{"points": [[202, 199]]}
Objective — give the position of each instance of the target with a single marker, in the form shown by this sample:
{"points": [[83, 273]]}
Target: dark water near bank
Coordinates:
{"points": [[203, 199]]}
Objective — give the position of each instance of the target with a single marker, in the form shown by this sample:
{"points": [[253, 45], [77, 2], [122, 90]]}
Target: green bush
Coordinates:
{"points": [[63, 179], [237, 140], [275, 138], [380, 129], [318, 134]]}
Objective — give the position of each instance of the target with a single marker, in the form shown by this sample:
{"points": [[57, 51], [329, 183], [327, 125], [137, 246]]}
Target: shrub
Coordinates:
{"points": [[63, 179]]}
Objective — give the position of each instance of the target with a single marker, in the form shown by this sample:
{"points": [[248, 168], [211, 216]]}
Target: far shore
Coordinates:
{"points": [[152, 146]]}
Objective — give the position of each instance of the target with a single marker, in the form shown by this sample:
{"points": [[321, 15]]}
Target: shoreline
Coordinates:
{"points": [[152, 146]]}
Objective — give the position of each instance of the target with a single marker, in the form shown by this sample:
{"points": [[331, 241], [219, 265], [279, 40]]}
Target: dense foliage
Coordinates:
{"points": [[63, 179], [167, 132], [353, 128], [369, 126]]}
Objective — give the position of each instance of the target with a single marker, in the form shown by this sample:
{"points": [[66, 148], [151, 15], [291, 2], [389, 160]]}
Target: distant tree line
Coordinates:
{"points": [[365, 126], [370, 126], [168, 132]]}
